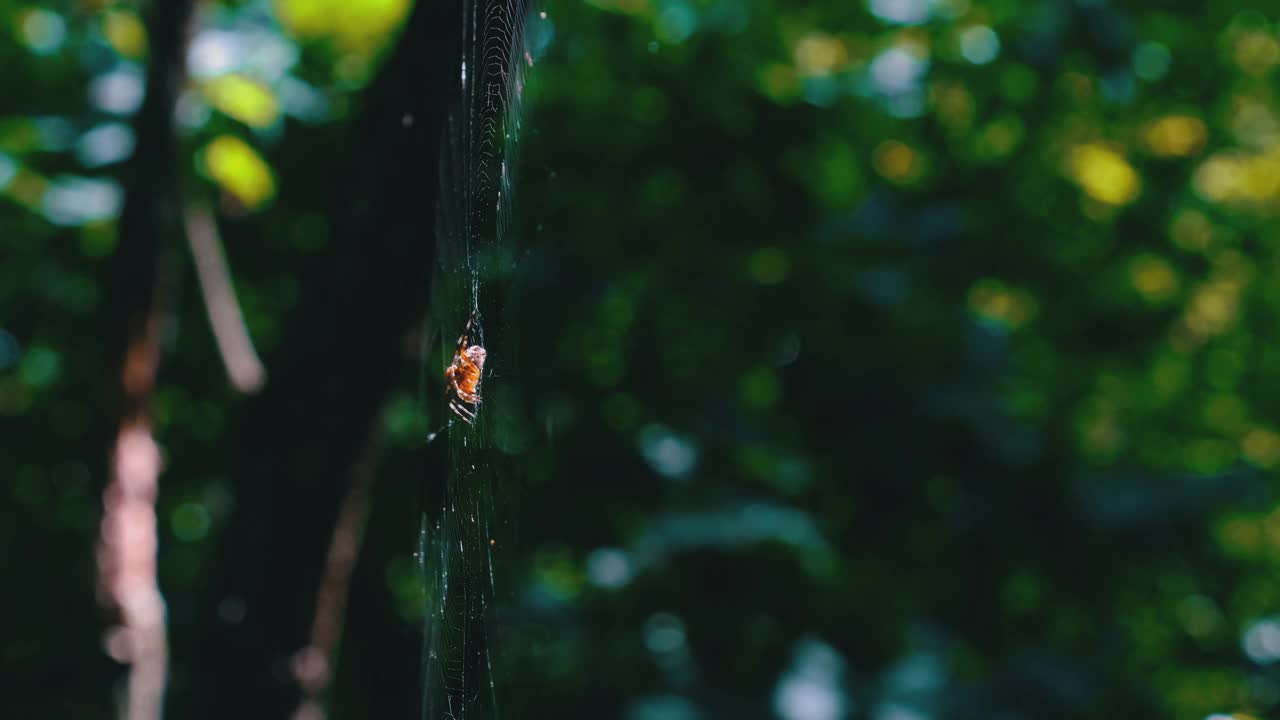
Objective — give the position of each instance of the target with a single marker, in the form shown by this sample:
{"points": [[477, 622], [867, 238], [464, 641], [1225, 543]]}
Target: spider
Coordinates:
{"points": [[463, 376]]}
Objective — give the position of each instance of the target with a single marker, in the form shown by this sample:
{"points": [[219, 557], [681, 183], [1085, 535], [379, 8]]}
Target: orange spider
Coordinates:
{"points": [[463, 375]]}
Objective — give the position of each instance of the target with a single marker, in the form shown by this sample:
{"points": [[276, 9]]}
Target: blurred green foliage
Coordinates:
{"points": [[891, 359]]}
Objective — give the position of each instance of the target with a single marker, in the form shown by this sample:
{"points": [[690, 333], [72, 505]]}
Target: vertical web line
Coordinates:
{"points": [[473, 223]]}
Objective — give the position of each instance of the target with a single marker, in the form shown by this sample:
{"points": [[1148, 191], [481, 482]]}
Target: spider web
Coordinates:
{"points": [[465, 543]]}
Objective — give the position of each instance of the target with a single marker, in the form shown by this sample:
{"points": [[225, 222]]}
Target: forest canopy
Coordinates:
{"points": [[891, 359]]}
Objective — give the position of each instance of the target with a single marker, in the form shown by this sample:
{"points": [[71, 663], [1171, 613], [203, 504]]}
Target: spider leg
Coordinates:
{"points": [[458, 411], [461, 411]]}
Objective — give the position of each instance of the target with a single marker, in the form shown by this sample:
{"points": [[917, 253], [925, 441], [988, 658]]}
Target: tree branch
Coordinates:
{"points": [[313, 665], [141, 281], [225, 319]]}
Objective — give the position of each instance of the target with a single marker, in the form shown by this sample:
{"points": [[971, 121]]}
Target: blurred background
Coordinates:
{"points": [[888, 359]]}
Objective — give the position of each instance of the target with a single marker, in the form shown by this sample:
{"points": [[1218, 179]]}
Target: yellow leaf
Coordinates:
{"points": [[818, 54], [125, 32], [246, 100], [1261, 447], [897, 162], [1104, 174], [1175, 136], [357, 25], [366, 23], [1153, 277], [1239, 178], [237, 167], [305, 18]]}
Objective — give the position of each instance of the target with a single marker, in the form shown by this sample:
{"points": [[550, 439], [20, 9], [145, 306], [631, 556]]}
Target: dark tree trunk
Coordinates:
{"points": [[342, 353]]}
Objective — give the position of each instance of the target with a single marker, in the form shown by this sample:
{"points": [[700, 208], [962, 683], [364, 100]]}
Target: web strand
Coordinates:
{"points": [[458, 546]]}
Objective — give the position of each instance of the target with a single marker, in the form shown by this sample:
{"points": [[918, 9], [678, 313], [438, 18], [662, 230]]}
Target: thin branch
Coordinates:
{"points": [[225, 318], [313, 665], [127, 559]]}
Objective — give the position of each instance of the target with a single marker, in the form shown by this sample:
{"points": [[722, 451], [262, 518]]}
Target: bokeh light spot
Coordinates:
{"points": [[901, 12], [669, 454], [238, 168], [664, 634], [190, 522], [1153, 277], [1261, 447], [244, 99], [1104, 174], [819, 54], [810, 689], [675, 23], [1175, 135], [39, 366], [996, 302], [359, 26], [557, 576], [779, 81], [954, 105], [897, 162], [769, 265], [1262, 641], [43, 31], [10, 349], [1191, 230], [1239, 536], [1151, 61], [760, 388], [1256, 52], [662, 707], [214, 52], [8, 170], [897, 70], [979, 44], [73, 201], [1200, 616], [609, 568], [999, 138], [27, 187], [1209, 455], [1240, 178], [105, 144], [125, 32], [118, 91]]}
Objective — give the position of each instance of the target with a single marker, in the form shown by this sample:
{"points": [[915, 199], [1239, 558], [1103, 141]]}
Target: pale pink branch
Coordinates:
{"points": [[229, 332], [128, 539], [313, 665], [127, 563]]}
